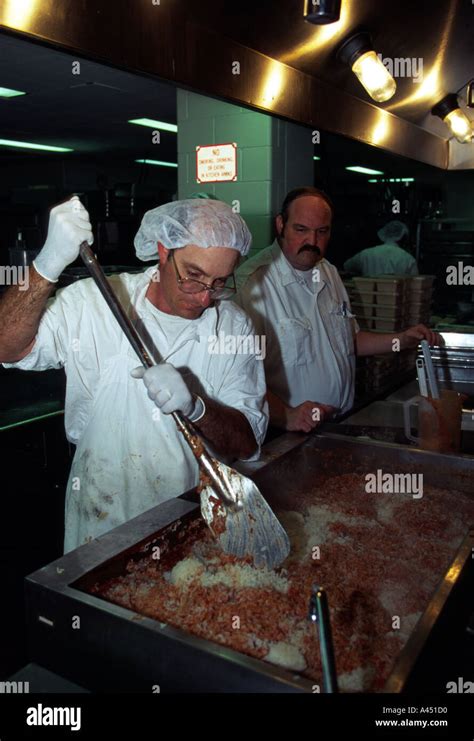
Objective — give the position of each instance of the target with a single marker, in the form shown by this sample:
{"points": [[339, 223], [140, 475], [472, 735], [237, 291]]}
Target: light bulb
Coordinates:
{"points": [[460, 125], [374, 76]]}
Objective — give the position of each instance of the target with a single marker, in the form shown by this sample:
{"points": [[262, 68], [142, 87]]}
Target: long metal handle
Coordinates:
{"points": [[319, 613], [208, 465], [420, 367], [99, 277], [407, 418], [430, 369]]}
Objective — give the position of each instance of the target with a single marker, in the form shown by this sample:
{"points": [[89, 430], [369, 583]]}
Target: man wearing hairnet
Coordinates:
{"points": [[129, 454], [386, 258]]}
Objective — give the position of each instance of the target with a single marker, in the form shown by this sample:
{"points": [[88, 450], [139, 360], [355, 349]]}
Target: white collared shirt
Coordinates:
{"points": [[129, 456], [383, 259], [309, 331]]}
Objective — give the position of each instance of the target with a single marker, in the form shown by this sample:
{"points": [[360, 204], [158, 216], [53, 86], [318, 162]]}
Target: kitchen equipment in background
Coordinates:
{"points": [[465, 312], [232, 506], [454, 361], [442, 244], [21, 254], [432, 380], [439, 421], [420, 368], [387, 303], [420, 295], [319, 614], [390, 303], [21, 258], [108, 239]]}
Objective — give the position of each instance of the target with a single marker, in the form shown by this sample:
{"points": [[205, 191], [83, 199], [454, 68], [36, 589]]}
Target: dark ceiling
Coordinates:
{"points": [[89, 111], [337, 152], [440, 32]]}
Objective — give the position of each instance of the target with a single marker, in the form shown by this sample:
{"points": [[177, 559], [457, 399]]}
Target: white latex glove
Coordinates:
{"points": [[68, 227], [167, 389]]}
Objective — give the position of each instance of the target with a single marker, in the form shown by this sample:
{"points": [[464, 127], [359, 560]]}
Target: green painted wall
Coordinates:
{"points": [[273, 156]]}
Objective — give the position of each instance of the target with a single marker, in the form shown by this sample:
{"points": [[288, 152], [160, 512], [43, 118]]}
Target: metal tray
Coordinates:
{"points": [[108, 648]]}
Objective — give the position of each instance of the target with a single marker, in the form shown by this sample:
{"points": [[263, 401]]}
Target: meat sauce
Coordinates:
{"points": [[378, 556]]}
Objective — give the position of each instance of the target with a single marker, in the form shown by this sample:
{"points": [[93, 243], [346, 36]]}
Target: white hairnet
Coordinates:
{"points": [[393, 231], [205, 223]]}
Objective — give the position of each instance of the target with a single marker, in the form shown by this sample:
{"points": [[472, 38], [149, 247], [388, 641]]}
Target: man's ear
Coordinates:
{"points": [[279, 224], [162, 253]]}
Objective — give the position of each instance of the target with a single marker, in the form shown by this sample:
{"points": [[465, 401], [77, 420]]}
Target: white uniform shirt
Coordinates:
{"points": [[129, 455], [308, 325], [384, 259]]}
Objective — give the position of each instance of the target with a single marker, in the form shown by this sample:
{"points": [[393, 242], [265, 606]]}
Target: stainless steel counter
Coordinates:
{"points": [[389, 412], [126, 651], [383, 419]]}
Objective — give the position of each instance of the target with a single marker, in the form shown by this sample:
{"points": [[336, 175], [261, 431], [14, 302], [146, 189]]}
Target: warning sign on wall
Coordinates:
{"points": [[216, 163]]}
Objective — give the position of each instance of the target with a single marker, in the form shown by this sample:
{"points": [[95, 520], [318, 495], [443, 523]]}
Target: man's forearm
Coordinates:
{"points": [[278, 410], [373, 343], [227, 430], [20, 314]]}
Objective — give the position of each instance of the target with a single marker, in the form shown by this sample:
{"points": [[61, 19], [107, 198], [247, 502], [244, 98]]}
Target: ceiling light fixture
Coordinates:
{"points": [[6, 92], [470, 95], [448, 110], [154, 124], [322, 12], [159, 163], [357, 52], [30, 145], [391, 180], [364, 170]]}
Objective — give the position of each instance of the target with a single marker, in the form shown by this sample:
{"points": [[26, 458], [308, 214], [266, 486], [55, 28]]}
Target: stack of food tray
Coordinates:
{"points": [[419, 303], [390, 303]]}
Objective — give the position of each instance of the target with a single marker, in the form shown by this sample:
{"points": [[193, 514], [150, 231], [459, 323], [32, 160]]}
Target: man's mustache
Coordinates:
{"points": [[310, 248]]}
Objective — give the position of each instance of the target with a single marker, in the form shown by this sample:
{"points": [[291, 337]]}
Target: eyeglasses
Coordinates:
{"points": [[219, 289]]}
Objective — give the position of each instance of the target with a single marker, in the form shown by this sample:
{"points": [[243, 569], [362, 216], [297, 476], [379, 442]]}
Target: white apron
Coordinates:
{"points": [[124, 464]]}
